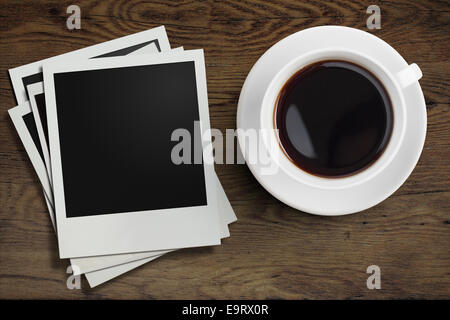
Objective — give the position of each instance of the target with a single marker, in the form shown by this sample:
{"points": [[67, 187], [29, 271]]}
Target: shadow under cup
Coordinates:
{"points": [[339, 118]]}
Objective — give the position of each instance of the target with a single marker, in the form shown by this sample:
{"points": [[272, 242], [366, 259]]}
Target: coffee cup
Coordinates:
{"points": [[395, 85]]}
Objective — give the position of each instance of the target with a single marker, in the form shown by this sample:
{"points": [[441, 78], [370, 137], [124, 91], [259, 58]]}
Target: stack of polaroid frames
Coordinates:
{"points": [[102, 127]]}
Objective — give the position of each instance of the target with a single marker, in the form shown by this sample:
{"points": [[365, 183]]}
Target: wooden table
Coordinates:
{"points": [[275, 251]]}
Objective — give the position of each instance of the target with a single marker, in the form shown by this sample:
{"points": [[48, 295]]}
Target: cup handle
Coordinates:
{"points": [[409, 75]]}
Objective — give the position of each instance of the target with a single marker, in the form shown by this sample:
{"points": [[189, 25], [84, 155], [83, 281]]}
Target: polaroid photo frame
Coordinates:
{"points": [[149, 41], [128, 230], [89, 264]]}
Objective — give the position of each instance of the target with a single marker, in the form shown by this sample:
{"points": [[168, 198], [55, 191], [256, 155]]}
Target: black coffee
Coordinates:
{"points": [[334, 118]]}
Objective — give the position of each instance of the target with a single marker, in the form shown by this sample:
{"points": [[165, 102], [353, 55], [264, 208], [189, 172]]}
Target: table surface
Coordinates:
{"points": [[274, 251]]}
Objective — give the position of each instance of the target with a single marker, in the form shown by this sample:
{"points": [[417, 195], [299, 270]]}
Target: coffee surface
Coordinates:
{"points": [[334, 118]]}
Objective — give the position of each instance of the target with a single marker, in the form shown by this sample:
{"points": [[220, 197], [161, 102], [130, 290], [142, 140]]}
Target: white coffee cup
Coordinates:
{"points": [[395, 85]]}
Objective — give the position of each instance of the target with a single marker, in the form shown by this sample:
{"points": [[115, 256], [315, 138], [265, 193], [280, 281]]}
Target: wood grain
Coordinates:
{"points": [[274, 251]]}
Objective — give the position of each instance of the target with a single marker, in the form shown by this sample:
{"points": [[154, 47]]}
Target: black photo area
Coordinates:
{"points": [[28, 119], [40, 104], [115, 129]]}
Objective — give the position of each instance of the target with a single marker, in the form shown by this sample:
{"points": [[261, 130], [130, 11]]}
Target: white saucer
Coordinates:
{"points": [[353, 199]]}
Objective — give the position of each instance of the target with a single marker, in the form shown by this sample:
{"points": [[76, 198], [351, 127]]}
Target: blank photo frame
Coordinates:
{"points": [[90, 264], [118, 228], [25, 125], [149, 41]]}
